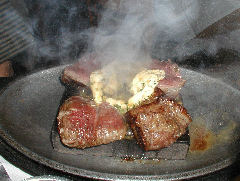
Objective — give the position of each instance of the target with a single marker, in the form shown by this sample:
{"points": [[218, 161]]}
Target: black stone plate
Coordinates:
{"points": [[29, 106]]}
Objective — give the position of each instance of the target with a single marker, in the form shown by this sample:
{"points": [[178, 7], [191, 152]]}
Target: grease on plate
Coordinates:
{"points": [[203, 138]]}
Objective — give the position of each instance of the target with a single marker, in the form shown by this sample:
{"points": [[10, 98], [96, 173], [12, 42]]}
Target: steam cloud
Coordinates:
{"points": [[137, 29], [131, 30], [131, 34]]}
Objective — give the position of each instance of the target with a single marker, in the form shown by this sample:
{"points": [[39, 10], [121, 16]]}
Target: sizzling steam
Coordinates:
{"points": [[132, 30], [129, 29]]}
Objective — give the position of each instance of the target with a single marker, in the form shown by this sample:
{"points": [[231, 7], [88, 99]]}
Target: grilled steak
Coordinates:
{"points": [[173, 82], [79, 73], [159, 122], [82, 123], [156, 121]]}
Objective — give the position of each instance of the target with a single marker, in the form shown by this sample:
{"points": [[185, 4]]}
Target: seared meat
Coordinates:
{"points": [[105, 82], [173, 82], [159, 122], [154, 117], [79, 73], [82, 123]]}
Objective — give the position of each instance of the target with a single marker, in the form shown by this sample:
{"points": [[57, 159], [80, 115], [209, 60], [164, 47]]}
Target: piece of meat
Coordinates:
{"points": [[79, 73], [173, 82], [159, 122], [82, 123]]}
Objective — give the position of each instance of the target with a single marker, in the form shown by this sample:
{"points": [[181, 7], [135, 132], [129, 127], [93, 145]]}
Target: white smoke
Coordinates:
{"points": [[132, 30], [129, 29]]}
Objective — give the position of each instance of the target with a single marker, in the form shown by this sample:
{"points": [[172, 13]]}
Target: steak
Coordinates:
{"points": [[79, 73], [173, 82], [82, 123], [156, 122], [159, 122]]}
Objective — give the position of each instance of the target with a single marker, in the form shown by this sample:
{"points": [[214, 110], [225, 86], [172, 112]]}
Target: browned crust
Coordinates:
{"points": [[157, 96], [138, 134], [132, 116]]}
